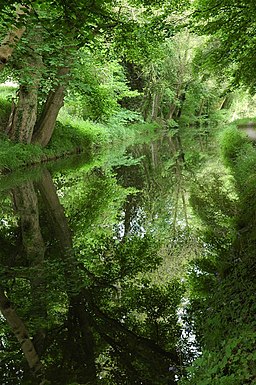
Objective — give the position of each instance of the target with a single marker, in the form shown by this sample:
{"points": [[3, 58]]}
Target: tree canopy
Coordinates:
{"points": [[231, 45]]}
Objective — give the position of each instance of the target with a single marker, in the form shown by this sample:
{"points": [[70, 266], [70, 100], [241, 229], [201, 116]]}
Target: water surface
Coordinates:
{"points": [[89, 254]]}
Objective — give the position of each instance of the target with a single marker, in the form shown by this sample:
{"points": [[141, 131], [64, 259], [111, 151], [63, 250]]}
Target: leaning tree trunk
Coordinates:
{"points": [[46, 123], [23, 115]]}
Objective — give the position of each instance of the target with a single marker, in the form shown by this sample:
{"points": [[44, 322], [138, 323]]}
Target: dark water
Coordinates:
{"points": [[89, 254], [96, 286]]}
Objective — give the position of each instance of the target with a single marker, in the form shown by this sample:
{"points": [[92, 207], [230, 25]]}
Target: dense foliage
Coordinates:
{"points": [[91, 309], [127, 269], [221, 310]]}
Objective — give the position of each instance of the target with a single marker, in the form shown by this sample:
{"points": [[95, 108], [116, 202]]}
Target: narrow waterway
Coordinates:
{"points": [[89, 254], [95, 282]]}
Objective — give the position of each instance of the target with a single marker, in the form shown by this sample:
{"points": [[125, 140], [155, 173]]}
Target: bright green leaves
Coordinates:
{"points": [[231, 29], [233, 364], [112, 260]]}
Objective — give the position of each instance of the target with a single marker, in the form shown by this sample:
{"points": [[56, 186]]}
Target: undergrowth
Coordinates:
{"points": [[71, 135]]}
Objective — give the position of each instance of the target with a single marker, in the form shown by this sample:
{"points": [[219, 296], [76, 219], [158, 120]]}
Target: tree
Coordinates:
{"points": [[47, 48], [230, 48]]}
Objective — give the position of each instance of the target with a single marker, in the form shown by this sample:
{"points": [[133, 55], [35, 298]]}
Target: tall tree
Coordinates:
{"points": [[44, 53], [230, 26]]}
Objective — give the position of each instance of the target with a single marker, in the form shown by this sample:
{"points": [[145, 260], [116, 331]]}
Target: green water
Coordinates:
{"points": [[88, 290], [123, 267]]}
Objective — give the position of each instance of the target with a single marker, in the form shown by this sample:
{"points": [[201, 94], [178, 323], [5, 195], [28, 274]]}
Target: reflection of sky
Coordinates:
{"points": [[188, 336], [136, 224]]}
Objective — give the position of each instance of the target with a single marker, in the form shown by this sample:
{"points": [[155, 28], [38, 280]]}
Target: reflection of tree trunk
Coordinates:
{"points": [[131, 338], [80, 344], [26, 204], [55, 213], [46, 123], [127, 343], [185, 211], [129, 209], [80, 347], [20, 331]]}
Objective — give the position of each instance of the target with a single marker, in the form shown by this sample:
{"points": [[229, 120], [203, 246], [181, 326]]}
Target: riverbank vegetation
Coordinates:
{"points": [[150, 264], [109, 74]]}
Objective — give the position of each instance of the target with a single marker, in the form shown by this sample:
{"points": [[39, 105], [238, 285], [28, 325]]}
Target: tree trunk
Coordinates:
{"points": [[155, 106], [21, 333], [23, 116], [11, 39], [172, 109], [8, 45], [46, 123]]}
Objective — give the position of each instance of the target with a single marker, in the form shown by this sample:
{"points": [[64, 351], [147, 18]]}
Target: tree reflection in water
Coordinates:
{"points": [[77, 297]]}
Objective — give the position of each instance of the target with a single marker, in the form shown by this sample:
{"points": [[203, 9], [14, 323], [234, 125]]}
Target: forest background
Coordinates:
{"points": [[82, 77]]}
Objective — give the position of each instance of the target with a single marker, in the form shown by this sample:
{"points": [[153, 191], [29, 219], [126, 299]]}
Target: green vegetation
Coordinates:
{"points": [[221, 283], [71, 135], [133, 261]]}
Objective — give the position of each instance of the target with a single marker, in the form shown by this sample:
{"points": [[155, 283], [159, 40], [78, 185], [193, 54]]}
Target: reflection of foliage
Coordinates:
{"points": [[215, 185], [91, 313], [110, 259], [95, 200], [221, 308]]}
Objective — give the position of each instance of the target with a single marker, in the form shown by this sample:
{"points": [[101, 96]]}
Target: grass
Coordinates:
{"points": [[244, 120], [71, 135]]}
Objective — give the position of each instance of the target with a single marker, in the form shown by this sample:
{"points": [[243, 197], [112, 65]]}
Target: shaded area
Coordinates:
{"points": [[222, 282], [77, 275]]}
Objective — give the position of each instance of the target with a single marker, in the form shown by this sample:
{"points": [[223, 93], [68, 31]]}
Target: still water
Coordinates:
{"points": [[95, 281], [89, 253]]}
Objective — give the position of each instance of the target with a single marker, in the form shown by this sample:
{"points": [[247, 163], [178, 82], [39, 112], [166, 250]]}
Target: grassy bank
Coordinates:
{"points": [[244, 121], [71, 136]]}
